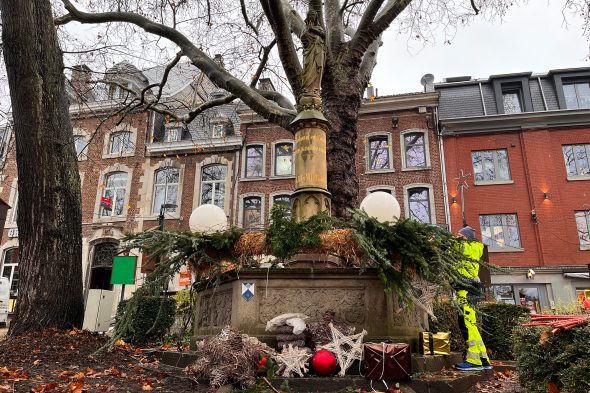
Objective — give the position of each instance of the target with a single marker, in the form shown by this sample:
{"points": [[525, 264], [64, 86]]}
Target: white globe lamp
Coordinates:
{"points": [[382, 206], [208, 218]]}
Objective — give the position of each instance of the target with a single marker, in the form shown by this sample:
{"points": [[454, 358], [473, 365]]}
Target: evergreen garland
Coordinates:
{"points": [[402, 252]]}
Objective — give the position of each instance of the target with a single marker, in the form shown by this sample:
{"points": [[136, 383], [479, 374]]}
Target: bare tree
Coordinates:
{"points": [[49, 214]]}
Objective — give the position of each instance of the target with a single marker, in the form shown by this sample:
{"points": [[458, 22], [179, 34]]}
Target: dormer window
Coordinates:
{"points": [[173, 134], [512, 93], [511, 101], [221, 128], [577, 95]]}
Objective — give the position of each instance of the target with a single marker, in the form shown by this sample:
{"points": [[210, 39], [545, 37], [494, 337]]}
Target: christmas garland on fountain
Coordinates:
{"points": [[402, 252]]}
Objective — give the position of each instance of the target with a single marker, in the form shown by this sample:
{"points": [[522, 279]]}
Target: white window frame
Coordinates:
{"points": [[177, 131], [273, 156], [496, 168], [215, 189], [98, 217], [243, 177], [229, 190], [106, 151], [166, 186], [586, 216], [262, 209], [11, 265], [406, 201], [367, 139], [492, 247], [83, 155], [115, 189], [576, 88], [576, 177], [424, 133], [13, 198]]}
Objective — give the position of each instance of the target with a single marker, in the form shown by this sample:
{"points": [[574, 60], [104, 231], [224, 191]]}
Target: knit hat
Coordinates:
{"points": [[468, 232]]}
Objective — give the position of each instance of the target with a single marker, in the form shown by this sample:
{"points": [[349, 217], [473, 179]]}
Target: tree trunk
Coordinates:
{"points": [[49, 212], [341, 101]]}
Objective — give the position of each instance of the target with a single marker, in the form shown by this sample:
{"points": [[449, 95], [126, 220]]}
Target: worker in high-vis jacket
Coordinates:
{"points": [[477, 357]]}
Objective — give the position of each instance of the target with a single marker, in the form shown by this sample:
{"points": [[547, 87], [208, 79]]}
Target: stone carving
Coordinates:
{"points": [[215, 309], [314, 54], [406, 316], [348, 303]]}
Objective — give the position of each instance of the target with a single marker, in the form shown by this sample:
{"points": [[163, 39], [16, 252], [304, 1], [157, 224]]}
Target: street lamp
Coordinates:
{"points": [[163, 207]]}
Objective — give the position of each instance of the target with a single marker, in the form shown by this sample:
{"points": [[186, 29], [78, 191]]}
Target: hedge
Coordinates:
{"points": [[150, 321], [562, 358], [496, 321]]}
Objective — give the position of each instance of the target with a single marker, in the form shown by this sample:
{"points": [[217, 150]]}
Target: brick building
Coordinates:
{"points": [[397, 152], [523, 144]]}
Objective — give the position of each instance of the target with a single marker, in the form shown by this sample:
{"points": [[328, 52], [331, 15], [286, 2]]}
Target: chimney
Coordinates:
{"points": [[219, 60], [81, 77], [370, 92], [266, 84]]}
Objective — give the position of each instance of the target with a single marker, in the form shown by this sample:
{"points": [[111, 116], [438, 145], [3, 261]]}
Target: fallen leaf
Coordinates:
{"points": [[64, 374], [76, 387], [36, 362], [45, 388], [79, 375], [5, 388], [147, 387]]}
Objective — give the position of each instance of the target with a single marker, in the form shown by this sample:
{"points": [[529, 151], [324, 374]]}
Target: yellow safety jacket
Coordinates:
{"points": [[468, 268]]}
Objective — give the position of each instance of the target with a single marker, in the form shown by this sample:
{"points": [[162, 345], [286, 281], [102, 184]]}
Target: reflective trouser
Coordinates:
{"points": [[476, 350]]}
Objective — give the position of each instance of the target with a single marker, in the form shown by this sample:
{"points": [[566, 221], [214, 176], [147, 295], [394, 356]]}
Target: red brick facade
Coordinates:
{"points": [[537, 166]]}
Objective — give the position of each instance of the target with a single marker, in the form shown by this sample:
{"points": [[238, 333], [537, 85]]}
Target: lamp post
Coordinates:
{"points": [[163, 207]]}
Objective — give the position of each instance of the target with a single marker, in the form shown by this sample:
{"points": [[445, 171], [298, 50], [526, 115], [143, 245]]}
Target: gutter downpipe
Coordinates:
{"points": [[443, 169]]}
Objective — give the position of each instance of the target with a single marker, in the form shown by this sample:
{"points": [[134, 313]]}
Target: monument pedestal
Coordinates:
{"points": [[358, 299]]}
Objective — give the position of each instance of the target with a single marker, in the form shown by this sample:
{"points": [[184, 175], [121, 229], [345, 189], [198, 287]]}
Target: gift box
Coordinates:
{"points": [[435, 343], [387, 361]]}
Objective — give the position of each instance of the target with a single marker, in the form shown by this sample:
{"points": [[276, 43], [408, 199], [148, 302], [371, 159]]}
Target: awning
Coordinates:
{"points": [[577, 275]]}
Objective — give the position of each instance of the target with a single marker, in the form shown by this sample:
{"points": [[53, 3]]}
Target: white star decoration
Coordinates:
{"points": [[347, 349], [292, 361]]}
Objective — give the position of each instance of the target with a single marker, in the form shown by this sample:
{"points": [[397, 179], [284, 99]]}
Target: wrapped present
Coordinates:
{"points": [[435, 343], [387, 361]]}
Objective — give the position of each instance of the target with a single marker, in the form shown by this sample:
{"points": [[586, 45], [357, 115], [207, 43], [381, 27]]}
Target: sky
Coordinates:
{"points": [[532, 37]]}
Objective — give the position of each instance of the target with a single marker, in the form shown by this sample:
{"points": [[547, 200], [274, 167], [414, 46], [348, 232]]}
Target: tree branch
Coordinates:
{"points": [[245, 15], [287, 53], [335, 34], [296, 22], [199, 59], [369, 15], [369, 33]]}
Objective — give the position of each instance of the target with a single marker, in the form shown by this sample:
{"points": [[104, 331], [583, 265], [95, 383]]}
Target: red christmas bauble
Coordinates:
{"points": [[323, 362]]}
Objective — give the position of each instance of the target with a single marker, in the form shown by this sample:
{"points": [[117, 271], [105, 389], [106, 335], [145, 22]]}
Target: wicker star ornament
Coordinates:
{"points": [[347, 349], [292, 360]]}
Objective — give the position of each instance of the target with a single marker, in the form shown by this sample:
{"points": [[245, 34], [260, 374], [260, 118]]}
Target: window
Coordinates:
{"points": [[14, 207], [577, 160], [490, 165], [531, 296], [583, 225], [102, 265], [166, 188], [415, 150], [121, 143], [582, 294], [113, 200], [387, 190], [284, 159], [213, 185], [419, 204], [80, 144], [173, 134], [252, 212], [221, 128], [255, 161], [511, 101], [283, 200], [500, 231], [379, 153], [577, 95], [10, 271]]}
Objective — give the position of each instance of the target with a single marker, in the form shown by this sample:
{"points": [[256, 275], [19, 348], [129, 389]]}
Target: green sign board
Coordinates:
{"points": [[123, 269]]}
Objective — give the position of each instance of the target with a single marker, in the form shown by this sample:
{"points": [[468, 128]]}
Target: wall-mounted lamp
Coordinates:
{"points": [[534, 215], [454, 200], [530, 274], [394, 121], [545, 195]]}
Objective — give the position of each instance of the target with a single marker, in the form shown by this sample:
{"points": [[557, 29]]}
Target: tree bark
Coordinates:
{"points": [[342, 100], [49, 212]]}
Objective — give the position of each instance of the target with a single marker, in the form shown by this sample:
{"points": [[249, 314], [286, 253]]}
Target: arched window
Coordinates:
{"points": [[213, 185], [419, 204], [102, 265], [283, 200], [120, 143], [252, 212], [113, 199], [166, 188], [415, 150]]}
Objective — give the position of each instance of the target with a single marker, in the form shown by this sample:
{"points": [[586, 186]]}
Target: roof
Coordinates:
{"points": [[179, 77]]}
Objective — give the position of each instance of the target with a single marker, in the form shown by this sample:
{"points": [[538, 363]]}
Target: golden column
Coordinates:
{"points": [[311, 185]]}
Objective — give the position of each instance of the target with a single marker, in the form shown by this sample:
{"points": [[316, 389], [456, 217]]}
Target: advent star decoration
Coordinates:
{"points": [[292, 361], [346, 348]]}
